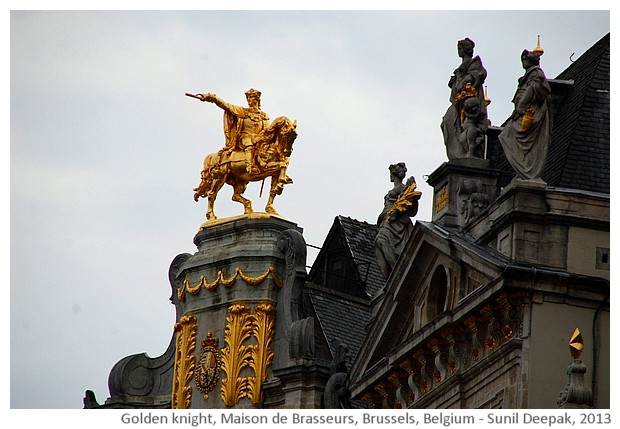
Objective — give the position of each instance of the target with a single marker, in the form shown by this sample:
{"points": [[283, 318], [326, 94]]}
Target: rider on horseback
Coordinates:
{"points": [[254, 150], [243, 126]]}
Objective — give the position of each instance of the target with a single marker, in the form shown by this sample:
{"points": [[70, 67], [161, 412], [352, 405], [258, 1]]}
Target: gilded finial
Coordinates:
{"points": [[538, 50], [576, 344]]}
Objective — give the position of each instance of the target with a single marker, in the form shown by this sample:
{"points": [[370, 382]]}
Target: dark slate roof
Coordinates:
{"points": [[360, 237], [341, 319], [579, 152], [342, 314]]}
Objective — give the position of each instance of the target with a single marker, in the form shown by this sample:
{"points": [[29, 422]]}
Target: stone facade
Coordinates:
{"points": [[476, 313]]}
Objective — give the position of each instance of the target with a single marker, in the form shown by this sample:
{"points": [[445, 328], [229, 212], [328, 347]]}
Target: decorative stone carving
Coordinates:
{"points": [[473, 200], [337, 395], [462, 347], [577, 393], [292, 244], [302, 339], [456, 349], [411, 368], [209, 365], [442, 371], [403, 396], [426, 370]]}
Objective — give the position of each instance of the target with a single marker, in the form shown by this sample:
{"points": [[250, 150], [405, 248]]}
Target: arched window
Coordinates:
{"points": [[437, 293]]}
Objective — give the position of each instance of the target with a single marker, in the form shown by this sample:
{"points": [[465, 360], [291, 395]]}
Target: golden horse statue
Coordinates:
{"points": [[269, 157]]}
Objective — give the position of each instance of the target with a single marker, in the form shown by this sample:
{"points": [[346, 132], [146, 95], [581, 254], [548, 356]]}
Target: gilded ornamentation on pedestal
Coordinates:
{"points": [[185, 361], [262, 356], [236, 355], [221, 278], [255, 149], [209, 366], [243, 326]]}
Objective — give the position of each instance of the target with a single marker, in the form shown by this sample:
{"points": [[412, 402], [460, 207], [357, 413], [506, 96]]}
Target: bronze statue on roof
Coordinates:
{"points": [[254, 149]]}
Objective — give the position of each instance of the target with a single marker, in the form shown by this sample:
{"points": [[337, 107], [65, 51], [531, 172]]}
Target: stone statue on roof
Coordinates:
{"points": [[465, 139], [395, 226], [526, 135]]}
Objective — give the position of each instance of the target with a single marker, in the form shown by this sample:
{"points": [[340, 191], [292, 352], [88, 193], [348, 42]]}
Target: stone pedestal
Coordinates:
{"points": [[300, 385], [233, 321], [577, 393], [463, 188]]}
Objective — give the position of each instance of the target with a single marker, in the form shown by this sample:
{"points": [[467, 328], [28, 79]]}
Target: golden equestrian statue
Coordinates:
{"points": [[254, 150]]}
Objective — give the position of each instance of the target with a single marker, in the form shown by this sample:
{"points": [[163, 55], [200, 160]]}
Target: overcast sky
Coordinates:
{"points": [[106, 149]]}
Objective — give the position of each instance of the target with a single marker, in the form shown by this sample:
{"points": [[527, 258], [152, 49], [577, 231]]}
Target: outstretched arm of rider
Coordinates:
{"points": [[212, 98]]}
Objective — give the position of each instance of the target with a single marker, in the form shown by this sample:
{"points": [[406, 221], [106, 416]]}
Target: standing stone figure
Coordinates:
{"points": [[526, 134], [466, 82], [395, 226]]}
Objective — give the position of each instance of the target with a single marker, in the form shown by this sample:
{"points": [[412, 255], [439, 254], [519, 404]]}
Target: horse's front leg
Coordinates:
{"points": [[216, 186], [238, 190], [211, 202]]}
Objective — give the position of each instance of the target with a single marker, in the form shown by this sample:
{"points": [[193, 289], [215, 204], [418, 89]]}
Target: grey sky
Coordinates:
{"points": [[105, 149]]}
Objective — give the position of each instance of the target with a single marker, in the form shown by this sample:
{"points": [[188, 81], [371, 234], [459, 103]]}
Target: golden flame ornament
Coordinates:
{"points": [[576, 344]]}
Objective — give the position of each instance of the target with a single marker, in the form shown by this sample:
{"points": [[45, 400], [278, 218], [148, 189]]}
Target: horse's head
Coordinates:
{"points": [[285, 132]]}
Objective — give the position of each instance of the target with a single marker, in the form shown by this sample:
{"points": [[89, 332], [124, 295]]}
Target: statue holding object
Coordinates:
{"points": [[526, 135], [254, 150], [461, 135], [395, 226]]}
